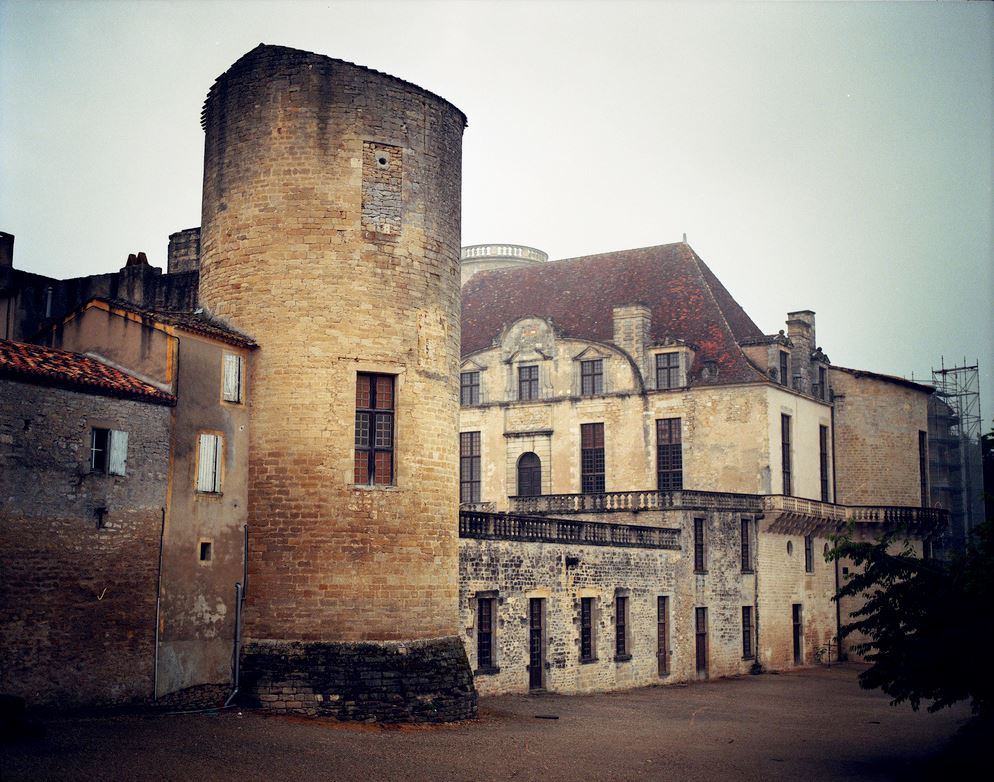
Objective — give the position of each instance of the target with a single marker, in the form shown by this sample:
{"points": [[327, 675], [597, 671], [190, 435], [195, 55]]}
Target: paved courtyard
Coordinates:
{"points": [[814, 724]]}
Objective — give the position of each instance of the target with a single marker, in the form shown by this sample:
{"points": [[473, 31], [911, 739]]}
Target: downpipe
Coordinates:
{"points": [[240, 592], [158, 610]]}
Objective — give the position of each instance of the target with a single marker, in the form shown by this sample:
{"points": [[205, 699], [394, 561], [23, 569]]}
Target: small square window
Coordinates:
{"points": [[108, 451], [206, 550]]}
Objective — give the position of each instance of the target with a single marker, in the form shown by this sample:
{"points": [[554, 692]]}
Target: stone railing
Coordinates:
{"points": [[883, 514], [803, 507], [539, 529], [477, 507], [636, 501]]}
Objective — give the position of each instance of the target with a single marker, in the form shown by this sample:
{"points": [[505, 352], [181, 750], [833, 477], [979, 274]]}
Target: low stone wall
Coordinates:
{"points": [[416, 681]]}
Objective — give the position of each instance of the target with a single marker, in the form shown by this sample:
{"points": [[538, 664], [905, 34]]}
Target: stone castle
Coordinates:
{"points": [[289, 471]]}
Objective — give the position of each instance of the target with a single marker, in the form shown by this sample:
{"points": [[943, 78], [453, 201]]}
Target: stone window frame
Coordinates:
{"points": [[664, 629], [592, 353], [622, 625], [824, 474], [201, 542], [809, 554], [783, 368], [372, 446], [470, 455], [590, 601], [680, 367], [595, 376], [674, 450], [748, 633], [534, 384], [786, 461], [700, 543], [491, 596], [747, 545], [592, 480], [469, 389]]}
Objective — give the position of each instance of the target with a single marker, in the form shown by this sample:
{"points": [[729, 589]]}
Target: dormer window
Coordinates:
{"points": [[592, 377], [469, 388], [668, 370]]}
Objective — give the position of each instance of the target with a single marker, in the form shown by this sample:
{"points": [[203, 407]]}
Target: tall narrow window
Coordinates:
{"points": [[527, 383], [469, 467], [374, 424], [592, 377], [809, 554], [700, 551], [529, 475], [823, 462], [231, 383], [669, 454], [99, 444], [663, 634], [621, 628], [209, 461], [785, 453], [822, 383], [469, 388], [923, 467], [784, 368], [592, 458], [798, 633], [746, 545], [485, 633], [747, 653], [667, 370], [701, 640], [587, 630]]}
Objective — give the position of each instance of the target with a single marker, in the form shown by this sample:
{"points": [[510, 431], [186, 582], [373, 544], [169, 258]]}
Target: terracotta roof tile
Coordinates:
{"points": [[578, 295], [48, 366]]}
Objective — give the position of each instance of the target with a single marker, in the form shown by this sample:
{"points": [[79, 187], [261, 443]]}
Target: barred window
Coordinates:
{"points": [[485, 633], [586, 630], [591, 458], [823, 462], [374, 430], [747, 652], [621, 627], [667, 370], [592, 377], [469, 388], [669, 454], [700, 552], [469, 467], [662, 634], [527, 383]]}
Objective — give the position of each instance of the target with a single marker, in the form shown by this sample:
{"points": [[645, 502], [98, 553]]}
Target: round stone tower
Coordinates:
{"points": [[330, 233]]}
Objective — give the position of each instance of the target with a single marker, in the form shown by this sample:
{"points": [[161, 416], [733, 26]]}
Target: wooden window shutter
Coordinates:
{"points": [[208, 470], [232, 391], [118, 453]]}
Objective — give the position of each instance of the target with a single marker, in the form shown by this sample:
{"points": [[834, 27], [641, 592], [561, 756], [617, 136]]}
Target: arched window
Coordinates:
{"points": [[529, 475]]}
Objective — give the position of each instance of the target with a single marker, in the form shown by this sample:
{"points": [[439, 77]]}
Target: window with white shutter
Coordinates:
{"points": [[209, 463], [232, 384], [117, 464]]}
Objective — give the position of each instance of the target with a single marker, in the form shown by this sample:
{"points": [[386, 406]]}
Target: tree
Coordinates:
{"points": [[929, 622]]}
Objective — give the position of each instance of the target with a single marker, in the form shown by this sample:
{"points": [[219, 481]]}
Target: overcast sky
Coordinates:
{"points": [[831, 156]]}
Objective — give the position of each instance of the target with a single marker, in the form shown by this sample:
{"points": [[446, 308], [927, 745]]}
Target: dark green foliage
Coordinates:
{"points": [[930, 623]]}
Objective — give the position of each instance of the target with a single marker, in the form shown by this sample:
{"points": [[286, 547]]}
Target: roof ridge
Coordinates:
{"points": [[687, 251]]}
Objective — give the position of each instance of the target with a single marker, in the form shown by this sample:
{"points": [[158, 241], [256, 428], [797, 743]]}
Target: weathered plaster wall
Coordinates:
{"points": [[77, 603]]}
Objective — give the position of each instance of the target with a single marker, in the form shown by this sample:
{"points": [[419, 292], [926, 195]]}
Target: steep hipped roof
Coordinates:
{"points": [[578, 295], [48, 366]]}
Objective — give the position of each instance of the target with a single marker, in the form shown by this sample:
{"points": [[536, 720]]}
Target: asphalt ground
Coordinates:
{"points": [[813, 724]]}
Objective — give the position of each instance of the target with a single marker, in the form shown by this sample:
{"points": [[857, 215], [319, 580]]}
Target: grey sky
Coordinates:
{"points": [[829, 156]]}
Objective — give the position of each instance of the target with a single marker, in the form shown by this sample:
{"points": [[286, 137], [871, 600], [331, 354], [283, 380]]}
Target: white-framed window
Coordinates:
{"points": [[108, 451], [209, 460], [231, 385]]}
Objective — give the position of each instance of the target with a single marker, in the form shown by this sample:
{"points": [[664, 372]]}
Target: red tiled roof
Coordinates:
{"points": [[578, 294], [48, 366]]}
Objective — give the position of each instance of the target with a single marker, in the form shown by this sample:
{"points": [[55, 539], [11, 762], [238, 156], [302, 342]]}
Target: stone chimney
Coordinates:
{"points": [[6, 250], [801, 331], [184, 251], [632, 328]]}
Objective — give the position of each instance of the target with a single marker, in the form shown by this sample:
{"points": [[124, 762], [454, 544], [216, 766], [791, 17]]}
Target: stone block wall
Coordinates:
{"points": [[562, 574], [77, 602]]}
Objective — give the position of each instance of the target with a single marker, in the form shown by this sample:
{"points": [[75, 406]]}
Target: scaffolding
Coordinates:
{"points": [[955, 462]]}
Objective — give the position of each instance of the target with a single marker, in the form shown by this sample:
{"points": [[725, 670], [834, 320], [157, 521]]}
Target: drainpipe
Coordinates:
{"points": [[839, 656], [240, 591], [158, 604], [755, 586]]}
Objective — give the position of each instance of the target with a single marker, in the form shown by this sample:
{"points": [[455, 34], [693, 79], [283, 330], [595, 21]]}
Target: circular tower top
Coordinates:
{"points": [[483, 257]]}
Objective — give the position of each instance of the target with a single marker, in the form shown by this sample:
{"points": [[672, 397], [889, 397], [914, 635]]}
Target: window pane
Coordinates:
{"points": [[384, 430], [362, 391], [362, 467], [383, 467], [384, 392], [362, 430]]}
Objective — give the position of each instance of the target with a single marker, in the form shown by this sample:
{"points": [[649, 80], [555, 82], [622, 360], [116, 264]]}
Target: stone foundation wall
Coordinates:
{"points": [[417, 681]]}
